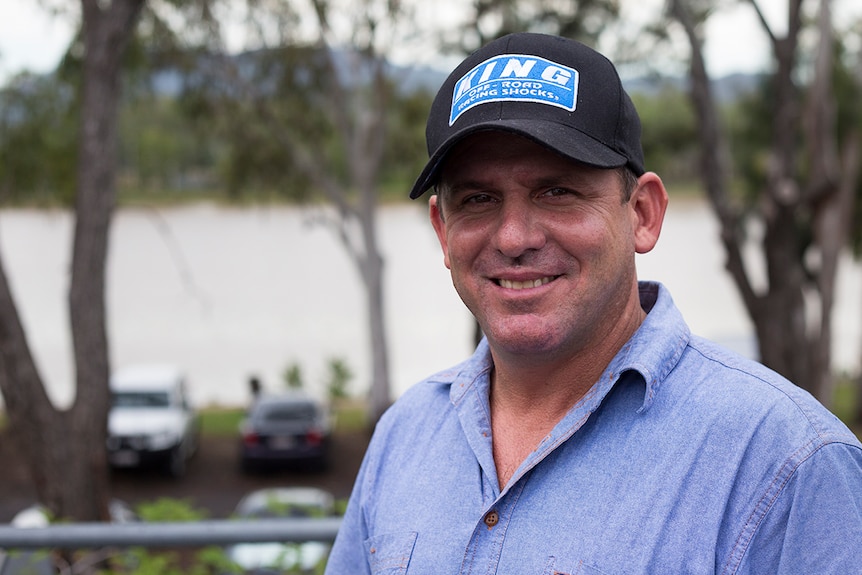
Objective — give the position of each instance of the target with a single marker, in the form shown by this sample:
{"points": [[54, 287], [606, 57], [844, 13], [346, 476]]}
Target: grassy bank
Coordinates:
{"points": [[224, 421]]}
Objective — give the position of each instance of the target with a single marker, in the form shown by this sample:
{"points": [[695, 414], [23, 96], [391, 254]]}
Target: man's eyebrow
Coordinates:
{"points": [[563, 179], [463, 186]]}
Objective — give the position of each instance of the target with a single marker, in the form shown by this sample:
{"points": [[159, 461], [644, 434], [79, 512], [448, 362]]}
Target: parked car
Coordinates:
{"points": [[285, 428], [151, 421], [277, 558]]}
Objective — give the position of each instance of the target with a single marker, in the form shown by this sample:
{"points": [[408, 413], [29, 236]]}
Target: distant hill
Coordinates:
{"points": [[726, 89], [429, 79]]}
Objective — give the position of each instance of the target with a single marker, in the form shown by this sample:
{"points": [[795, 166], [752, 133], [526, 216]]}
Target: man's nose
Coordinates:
{"points": [[519, 229]]}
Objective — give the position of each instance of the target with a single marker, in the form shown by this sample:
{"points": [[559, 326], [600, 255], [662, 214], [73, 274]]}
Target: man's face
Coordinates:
{"points": [[541, 249]]}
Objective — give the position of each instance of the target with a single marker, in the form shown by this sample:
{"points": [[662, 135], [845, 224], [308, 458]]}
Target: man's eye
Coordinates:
{"points": [[478, 199], [557, 192]]}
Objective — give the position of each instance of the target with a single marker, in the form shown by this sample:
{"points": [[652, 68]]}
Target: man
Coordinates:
{"points": [[590, 432]]}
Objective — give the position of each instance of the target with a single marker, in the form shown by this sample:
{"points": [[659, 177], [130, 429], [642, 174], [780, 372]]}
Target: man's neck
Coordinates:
{"points": [[529, 396]]}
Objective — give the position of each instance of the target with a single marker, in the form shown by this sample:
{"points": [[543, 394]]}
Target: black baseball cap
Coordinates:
{"points": [[552, 90]]}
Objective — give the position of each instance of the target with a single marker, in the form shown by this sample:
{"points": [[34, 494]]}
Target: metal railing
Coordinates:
{"points": [[164, 535]]}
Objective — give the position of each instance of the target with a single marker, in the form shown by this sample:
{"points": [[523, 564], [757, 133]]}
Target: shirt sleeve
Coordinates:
{"points": [[348, 552], [815, 523]]}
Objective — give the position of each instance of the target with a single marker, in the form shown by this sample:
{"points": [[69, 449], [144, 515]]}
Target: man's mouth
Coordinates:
{"points": [[519, 285]]}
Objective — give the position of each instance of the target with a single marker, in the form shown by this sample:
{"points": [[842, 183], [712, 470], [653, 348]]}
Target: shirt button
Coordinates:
{"points": [[492, 518]]}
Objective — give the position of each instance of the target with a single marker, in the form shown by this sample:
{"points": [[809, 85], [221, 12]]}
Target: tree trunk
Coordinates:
{"points": [[379, 395], [360, 119], [794, 337], [66, 449], [31, 416]]}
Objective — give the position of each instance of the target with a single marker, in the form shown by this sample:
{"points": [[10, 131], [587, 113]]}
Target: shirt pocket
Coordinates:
{"points": [[556, 567], [389, 554]]}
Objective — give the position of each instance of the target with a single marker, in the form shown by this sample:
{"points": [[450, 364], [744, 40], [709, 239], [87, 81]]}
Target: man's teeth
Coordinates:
{"points": [[508, 284]]}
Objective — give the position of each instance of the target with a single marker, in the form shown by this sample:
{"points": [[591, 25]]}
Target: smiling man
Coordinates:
{"points": [[590, 432]]}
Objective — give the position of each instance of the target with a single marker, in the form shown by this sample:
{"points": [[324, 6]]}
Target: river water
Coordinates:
{"points": [[231, 292]]}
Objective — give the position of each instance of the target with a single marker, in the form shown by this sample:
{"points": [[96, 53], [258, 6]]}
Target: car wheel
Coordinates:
{"points": [[176, 464], [247, 466], [320, 464]]}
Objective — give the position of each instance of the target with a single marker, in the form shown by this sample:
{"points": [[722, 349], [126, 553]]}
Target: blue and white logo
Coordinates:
{"points": [[515, 78]]}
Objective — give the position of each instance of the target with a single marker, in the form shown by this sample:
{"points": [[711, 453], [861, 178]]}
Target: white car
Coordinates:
{"points": [[151, 421], [275, 558]]}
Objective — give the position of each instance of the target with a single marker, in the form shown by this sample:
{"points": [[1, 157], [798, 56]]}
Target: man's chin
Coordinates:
{"points": [[523, 340]]}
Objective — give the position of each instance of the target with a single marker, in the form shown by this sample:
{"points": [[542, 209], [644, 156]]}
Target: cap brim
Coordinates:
{"points": [[562, 139]]}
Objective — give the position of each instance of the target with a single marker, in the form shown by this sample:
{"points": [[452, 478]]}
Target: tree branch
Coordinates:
{"points": [[773, 39], [714, 157]]}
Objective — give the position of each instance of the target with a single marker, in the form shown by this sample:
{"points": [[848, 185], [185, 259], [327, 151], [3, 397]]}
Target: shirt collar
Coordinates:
{"points": [[656, 347]]}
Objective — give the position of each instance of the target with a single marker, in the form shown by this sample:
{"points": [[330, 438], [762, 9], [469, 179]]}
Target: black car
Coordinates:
{"points": [[285, 429]]}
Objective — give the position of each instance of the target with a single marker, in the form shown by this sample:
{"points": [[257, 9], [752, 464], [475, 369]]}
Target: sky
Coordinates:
{"points": [[30, 39]]}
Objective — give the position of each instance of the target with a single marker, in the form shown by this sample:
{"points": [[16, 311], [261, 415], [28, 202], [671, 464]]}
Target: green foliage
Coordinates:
{"points": [[213, 560], [224, 421], [156, 154], [247, 103], [221, 421], [583, 20], [669, 134], [143, 561], [38, 147], [293, 376], [405, 153], [254, 106], [340, 506], [169, 509], [210, 560], [351, 416], [844, 399], [279, 508], [339, 376], [750, 139]]}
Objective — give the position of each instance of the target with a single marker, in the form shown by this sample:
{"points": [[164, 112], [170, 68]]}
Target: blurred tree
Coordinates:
{"points": [[65, 449], [801, 189], [158, 153], [340, 375], [583, 20], [341, 156], [38, 144], [293, 376], [312, 110], [669, 133], [236, 99]]}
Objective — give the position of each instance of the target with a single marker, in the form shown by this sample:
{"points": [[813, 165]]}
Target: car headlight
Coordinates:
{"points": [[163, 440]]}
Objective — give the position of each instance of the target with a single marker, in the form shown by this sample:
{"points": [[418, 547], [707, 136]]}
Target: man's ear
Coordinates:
{"points": [[649, 204], [436, 214]]}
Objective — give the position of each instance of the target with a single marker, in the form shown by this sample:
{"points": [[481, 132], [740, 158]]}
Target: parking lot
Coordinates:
{"points": [[213, 482]]}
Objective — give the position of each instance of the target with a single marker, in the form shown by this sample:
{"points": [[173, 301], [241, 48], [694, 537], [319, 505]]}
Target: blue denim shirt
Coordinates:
{"points": [[682, 459]]}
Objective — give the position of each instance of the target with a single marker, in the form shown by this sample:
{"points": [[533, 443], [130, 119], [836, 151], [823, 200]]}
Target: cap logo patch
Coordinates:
{"points": [[515, 78]]}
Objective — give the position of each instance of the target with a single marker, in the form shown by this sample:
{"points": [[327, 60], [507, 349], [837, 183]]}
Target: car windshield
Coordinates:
{"points": [[286, 509], [141, 399], [293, 412]]}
